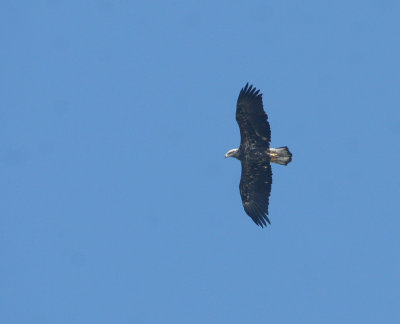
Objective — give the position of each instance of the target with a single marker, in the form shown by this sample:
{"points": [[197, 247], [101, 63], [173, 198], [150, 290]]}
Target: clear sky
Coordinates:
{"points": [[117, 204]]}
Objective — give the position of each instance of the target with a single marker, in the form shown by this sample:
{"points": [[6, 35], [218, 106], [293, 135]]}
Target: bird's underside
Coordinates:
{"points": [[255, 155]]}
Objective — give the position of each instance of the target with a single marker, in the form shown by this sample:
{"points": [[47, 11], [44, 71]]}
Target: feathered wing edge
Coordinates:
{"points": [[255, 189], [258, 215], [251, 117]]}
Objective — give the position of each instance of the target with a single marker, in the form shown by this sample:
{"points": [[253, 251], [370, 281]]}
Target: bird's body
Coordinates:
{"points": [[255, 154]]}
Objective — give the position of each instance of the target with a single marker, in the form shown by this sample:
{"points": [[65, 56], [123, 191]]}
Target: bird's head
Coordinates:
{"points": [[233, 152]]}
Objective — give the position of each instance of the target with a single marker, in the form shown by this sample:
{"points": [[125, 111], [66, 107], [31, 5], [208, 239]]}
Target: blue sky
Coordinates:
{"points": [[117, 205]]}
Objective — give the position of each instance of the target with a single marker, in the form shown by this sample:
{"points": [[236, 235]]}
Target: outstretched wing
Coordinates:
{"points": [[255, 189], [251, 117]]}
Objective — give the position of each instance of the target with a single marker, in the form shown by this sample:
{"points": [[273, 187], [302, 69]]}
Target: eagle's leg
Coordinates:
{"points": [[273, 156]]}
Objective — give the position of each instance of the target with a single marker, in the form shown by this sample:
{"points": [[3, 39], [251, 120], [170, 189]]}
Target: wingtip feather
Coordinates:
{"points": [[250, 90]]}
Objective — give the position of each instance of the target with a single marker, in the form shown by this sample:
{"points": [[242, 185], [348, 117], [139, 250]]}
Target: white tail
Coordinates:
{"points": [[280, 155]]}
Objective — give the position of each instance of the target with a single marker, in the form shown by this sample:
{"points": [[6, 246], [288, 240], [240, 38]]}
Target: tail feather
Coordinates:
{"points": [[280, 155]]}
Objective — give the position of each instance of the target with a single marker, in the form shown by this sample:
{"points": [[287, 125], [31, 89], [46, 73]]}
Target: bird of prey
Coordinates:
{"points": [[255, 154]]}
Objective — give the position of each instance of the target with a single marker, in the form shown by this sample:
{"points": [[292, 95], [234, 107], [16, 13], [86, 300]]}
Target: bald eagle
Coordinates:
{"points": [[255, 154]]}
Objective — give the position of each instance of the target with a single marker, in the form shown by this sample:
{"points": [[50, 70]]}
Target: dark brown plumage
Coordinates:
{"points": [[255, 154]]}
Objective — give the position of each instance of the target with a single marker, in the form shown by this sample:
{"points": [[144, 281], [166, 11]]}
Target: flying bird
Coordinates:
{"points": [[255, 154]]}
